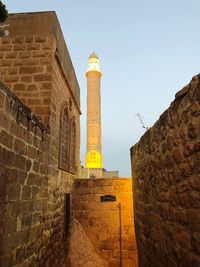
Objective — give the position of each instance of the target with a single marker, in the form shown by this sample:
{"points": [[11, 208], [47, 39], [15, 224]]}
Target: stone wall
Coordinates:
{"points": [[32, 214], [166, 177], [26, 68], [32, 184], [108, 226]]}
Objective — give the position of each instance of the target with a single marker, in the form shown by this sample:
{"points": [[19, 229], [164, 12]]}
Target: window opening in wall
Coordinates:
{"points": [[73, 147], [64, 139], [66, 214]]}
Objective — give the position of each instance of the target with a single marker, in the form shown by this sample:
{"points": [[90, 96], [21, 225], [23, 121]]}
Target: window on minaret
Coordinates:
{"points": [[72, 167], [64, 156]]}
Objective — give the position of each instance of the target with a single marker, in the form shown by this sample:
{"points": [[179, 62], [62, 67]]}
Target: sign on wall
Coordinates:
{"points": [[107, 198]]}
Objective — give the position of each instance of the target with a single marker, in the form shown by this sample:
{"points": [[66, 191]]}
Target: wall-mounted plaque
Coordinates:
{"points": [[108, 198]]}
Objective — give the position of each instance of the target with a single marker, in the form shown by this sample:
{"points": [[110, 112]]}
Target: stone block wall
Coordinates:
{"points": [[23, 184], [166, 178], [105, 228], [26, 68], [32, 207]]}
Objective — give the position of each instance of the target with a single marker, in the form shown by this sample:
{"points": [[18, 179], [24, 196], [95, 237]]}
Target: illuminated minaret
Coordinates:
{"points": [[93, 151]]}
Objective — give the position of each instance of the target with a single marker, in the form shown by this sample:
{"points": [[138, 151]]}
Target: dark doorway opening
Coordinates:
{"points": [[66, 214]]}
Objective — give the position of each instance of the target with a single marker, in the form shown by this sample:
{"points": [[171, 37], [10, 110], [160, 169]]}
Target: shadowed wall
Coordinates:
{"points": [[166, 178]]}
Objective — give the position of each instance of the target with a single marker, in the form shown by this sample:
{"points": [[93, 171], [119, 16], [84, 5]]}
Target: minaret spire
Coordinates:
{"points": [[93, 149]]}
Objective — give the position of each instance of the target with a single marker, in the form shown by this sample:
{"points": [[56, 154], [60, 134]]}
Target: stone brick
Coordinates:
{"points": [[15, 208], [34, 101], [26, 192], [28, 165], [20, 162], [42, 77], [13, 70], [10, 55], [11, 78], [41, 54], [13, 192], [31, 152], [192, 131], [47, 46], [21, 177], [24, 54], [45, 181], [41, 110], [31, 61], [18, 40], [27, 221], [35, 191], [40, 39], [16, 129], [30, 69], [11, 176], [29, 39], [33, 46], [6, 139], [2, 99], [38, 180], [6, 40], [19, 47], [5, 47], [19, 86], [31, 179], [6, 63], [26, 78], [19, 147], [10, 226], [36, 166], [8, 157]]}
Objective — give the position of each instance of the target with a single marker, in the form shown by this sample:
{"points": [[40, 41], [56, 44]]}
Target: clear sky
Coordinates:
{"points": [[148, 51]]}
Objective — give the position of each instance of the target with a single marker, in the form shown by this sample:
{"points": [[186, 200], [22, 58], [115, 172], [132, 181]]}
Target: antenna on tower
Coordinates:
{"points": [[142, 121]]}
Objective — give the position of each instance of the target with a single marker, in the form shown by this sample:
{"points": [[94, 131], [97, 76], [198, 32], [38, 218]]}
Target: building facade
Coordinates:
{"points": [[39, 141]]}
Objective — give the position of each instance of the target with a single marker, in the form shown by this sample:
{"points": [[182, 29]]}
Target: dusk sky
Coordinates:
{"points": [[148, 51]]}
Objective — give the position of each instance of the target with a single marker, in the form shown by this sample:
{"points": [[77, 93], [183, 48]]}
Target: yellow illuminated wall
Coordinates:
{"points": [[93, 160]]}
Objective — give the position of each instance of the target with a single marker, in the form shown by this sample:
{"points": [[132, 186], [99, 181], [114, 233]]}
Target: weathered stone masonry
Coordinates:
{"points": [[40, 80], [102, 233], [166, 177]]}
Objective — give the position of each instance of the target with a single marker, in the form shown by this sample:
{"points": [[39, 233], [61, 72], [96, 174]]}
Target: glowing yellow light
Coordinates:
{"points": [[93, 64], [93, 160]]}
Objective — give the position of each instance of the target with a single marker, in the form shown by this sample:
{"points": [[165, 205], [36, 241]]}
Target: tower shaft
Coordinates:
{"points": [[93, 149]]}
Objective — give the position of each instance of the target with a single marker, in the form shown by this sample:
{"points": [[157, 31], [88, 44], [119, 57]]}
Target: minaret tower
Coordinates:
{"points": [[93, 151]]}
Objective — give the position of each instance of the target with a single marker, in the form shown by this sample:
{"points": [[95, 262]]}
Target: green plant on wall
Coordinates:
{"points": [[3, 12]]}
